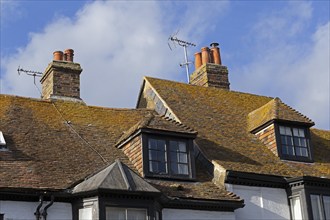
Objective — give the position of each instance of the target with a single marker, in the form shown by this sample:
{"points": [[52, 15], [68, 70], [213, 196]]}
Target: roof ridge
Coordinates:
{"points": [[213, 88]]}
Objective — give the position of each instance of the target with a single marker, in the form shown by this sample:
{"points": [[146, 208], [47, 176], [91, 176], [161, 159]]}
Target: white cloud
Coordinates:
{"points": [[10, 10], [283, 66], [116, 43]]}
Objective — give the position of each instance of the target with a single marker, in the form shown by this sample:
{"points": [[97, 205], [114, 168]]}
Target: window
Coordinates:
{"points": [[168, 157], [320, 207], [296, 208], [116, 213], [294, 143]]}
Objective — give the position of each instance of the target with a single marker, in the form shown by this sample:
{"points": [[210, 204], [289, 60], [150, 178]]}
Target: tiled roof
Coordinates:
{"points": [[156, 122], [275, 109], [56, 145], [220, 117]]}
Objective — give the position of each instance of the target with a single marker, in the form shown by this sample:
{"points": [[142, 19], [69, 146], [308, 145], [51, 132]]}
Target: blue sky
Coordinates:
{"points": [[271, 48]]}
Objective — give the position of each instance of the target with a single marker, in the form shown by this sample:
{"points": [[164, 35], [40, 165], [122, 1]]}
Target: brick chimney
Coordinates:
{"points": [[61, 79], [209, 71]]}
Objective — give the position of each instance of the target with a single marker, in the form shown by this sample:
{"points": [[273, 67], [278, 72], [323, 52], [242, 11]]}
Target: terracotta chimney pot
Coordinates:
{"points": [[68, 55], [198, 60], [215, 53], [58, 55], [205, 55]]}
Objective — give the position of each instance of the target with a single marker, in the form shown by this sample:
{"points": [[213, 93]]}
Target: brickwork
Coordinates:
{"points": [[61, 79], [267, 137], [211, 75], [133, 150]]}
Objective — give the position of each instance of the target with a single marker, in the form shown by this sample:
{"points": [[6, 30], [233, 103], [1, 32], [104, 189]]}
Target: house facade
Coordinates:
{"points": [[187, 151]]}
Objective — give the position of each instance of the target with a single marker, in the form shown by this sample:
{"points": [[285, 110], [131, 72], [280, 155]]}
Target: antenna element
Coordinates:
{"points": [[183, 44], [31, 73]]}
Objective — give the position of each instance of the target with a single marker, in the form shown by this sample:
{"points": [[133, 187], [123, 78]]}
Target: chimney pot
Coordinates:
{"points": [[58, 55], [205, 55], [68, 55], [215, 54], [198, 60]]}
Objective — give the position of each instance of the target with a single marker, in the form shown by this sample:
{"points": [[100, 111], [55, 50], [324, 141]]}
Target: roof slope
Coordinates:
{"points": [[220, 117], [55, 144], [275, 109]]}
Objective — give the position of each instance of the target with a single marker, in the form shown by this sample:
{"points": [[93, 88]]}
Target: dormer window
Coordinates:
{"points": [[293, 143], [168, 157]]}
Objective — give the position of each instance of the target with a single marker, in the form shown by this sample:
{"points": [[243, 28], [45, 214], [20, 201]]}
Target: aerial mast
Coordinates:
{"points": [[183, 44]]}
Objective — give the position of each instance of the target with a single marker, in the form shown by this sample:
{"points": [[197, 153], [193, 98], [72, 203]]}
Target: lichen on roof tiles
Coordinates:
{"points": [[221, 119], [275, 109]]}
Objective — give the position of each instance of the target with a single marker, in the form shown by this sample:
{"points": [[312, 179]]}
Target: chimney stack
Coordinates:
{"points": [[61, 79], [209, 71]]}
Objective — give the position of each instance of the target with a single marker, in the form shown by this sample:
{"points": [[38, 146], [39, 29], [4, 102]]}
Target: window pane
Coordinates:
{"points": [[183, 169], [288, 131], [301, 133], [174, 157], [174, 168], [161, 156], [152, 155], [152, 143], [183, 158], [115, 213], [296, 208], [291, 150], [316, 207], [136, 214], [161, 145], [182, 146], [295, 132], [326, 202], [174, 146], [156, 144], [157, 167], [282, 130]]}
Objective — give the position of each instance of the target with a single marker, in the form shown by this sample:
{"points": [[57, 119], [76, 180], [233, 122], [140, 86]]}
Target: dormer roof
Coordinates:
{"points": [[157, 123], [117, 176], [275, 109]]}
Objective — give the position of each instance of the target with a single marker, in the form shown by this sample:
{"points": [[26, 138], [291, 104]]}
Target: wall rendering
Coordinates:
{"points": [[261, 202], [184, 214], [15, 210]]}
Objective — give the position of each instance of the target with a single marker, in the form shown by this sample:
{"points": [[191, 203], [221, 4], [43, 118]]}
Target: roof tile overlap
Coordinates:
{"points": [[221, 119]]}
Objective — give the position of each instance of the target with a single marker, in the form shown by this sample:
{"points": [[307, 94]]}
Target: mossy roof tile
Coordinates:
{"points": [[221, 119], [56, 145]]}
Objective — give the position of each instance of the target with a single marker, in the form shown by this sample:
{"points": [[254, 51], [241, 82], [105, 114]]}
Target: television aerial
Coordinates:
{"points": [[30, 73], [183, 44]]}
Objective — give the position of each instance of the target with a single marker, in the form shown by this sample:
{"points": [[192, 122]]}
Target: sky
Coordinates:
{"points": [[272, 48]]}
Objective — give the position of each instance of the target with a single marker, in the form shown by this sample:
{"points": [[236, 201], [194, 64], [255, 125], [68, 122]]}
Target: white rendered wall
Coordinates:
{"points": [[25, 210], [184, 214], [261, 202]]}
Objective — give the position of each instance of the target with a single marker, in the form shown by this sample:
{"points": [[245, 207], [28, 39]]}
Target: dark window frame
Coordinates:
{"points": [[304, 189], [169, 175], [309, 158]]}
